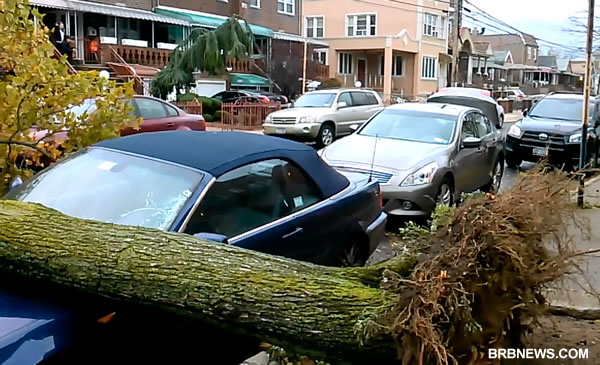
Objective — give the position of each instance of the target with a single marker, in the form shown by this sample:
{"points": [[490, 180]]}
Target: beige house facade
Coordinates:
{"points": [[396, 48]]}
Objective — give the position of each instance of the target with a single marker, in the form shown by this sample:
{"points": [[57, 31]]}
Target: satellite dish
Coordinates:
{"points": [[104, 74], [358, 84]]}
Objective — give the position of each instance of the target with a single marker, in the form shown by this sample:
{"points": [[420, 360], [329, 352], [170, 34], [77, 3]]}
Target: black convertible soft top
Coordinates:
{"points": [[219, 152]]}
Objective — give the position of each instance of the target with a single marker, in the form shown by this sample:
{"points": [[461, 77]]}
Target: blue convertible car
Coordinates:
{"points": [[256, 192]]}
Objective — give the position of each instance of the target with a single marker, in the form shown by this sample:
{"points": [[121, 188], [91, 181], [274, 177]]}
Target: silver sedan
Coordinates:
{"points": [[423, 154]]}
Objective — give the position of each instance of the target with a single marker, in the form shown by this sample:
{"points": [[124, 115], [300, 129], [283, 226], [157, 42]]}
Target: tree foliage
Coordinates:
{"points": [[37, 92], [205, 50]]}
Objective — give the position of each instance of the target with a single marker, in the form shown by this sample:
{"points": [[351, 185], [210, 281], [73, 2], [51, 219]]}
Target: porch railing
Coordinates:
{"points": [[58, 55], [139, 85], [246, 116], [143, 56]]}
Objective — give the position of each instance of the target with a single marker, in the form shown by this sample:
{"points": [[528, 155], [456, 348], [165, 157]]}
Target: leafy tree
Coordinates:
{"points": [[205, 50], [37, 92]]}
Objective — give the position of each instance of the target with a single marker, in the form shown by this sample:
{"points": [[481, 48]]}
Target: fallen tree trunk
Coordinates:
{"points": [[473, 284], [310, 308]]}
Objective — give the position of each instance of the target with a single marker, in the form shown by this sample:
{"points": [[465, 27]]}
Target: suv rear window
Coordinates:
{"points": [[371, 99], [559, 109]]}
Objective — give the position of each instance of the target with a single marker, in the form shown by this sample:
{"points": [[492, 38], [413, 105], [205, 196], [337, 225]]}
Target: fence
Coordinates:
{"points": [[246, 116], [191, 107]]}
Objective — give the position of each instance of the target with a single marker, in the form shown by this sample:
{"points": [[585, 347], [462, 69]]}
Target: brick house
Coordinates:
{"points": [[393, 48]]}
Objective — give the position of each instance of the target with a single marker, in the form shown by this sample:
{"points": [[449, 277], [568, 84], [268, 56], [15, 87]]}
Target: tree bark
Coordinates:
{"points": [[314, 310]]}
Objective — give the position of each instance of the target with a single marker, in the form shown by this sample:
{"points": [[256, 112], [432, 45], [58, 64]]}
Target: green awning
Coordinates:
{"points": [[208, 21], [249, 80]]}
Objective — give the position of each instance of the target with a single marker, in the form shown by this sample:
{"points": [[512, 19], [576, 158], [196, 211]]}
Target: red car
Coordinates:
{"points": [[158, 115]]}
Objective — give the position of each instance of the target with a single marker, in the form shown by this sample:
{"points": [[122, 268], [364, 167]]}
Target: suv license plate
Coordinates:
{"points": [[279, 131], [540, 151]]}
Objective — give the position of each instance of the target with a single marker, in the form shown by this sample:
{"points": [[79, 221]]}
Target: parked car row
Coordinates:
{"points": [[422, 154]]}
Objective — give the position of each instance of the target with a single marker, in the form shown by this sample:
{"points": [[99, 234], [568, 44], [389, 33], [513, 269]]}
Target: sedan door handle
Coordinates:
{"points": [[170, 124], [294, 232]]}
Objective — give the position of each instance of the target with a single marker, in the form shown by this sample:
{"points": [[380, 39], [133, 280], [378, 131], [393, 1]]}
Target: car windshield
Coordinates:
{"points": [[411, 126], [559, 109], [113, 187], [88, 106], [317, 100]]}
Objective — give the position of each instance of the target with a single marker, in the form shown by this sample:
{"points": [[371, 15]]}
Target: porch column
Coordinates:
{"points": [[387, 69], [152, 45]]}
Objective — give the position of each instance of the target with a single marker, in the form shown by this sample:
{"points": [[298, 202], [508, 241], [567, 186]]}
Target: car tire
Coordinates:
{"points": [[326, 136], [513, 162], [445, 193], [354, 254], [497, 172]]}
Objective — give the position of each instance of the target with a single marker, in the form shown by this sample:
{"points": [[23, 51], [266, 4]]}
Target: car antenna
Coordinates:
{"points": [[373, 158]]}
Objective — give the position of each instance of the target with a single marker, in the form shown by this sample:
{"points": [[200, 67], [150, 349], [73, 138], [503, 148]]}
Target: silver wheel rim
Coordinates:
{"points": [[497, 177], [445, 195], [327, 136]]}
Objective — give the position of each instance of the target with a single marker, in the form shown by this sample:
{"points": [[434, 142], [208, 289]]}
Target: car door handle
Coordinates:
{"points": [[170, 124], [294, 232]]}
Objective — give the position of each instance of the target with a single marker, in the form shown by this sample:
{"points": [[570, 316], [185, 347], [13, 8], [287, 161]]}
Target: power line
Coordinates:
{"points": [[565, 47], [499, 21]]}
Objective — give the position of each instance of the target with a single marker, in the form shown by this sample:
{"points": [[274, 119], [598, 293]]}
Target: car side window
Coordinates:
{"points": [[483, 125], [252, 196], [172, 112], [371, 99], [469, 127], [219, 96], [359, 98], [150, 109], [345, 97], [135, 111]]}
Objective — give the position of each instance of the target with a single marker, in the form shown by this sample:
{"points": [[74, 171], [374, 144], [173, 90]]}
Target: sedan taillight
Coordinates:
{"points": [[264, 99], [379, 197]]}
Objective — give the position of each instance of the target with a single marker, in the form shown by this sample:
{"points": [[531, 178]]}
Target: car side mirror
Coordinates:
{"points": [[215, 237], [525, 112], [354, 127], [471, 142], [15, 183], [342, 105]]}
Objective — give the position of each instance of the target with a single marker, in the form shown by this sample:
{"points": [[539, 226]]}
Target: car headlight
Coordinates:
{"points": [[515, 131], [269, 118], [311, 119], [576, 138], [422, 176]]}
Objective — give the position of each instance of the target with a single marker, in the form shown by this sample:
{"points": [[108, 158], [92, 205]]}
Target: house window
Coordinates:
{"points": [[528, 53], [361, 25], [255, 3], [286, 6], [345, 64], [397, 66], [534, 54], [430, 26], [314, 27], [428, 69], [320, 56]]}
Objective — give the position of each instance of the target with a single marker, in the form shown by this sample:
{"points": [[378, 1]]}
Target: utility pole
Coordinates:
{"points": [[304, 65], [586, 103], [457, 5]]}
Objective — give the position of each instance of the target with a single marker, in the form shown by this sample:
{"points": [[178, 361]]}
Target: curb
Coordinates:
{"points": [[588, 314], [587, 183]]}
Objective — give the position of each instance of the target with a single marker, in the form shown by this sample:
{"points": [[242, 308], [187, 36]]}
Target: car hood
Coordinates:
{"points": [[31, 330], [548, 125], [391, 154], [300, 112]]}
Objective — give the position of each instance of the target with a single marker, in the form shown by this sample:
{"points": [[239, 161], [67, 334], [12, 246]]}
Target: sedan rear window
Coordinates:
{"points": [[113, 187], [411, 126]]}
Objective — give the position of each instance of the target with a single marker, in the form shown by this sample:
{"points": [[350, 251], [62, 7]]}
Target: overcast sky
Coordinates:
{"points": [[544, 19]]}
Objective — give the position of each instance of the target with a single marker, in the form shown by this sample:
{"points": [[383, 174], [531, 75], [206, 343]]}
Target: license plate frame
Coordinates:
{"points": [[540, 151], [279, 130]]}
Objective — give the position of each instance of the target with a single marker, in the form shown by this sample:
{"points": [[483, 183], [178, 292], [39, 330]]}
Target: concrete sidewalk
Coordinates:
{"points": [[577, 291]]}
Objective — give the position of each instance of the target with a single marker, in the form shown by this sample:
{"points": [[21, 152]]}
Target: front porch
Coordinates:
{"points": [[369, 68]]}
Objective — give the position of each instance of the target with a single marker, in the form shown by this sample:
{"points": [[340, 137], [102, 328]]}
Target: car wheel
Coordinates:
{"points": [[494, 185], [326, 136], [513, 162], [354, 254], [445, 194]]}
